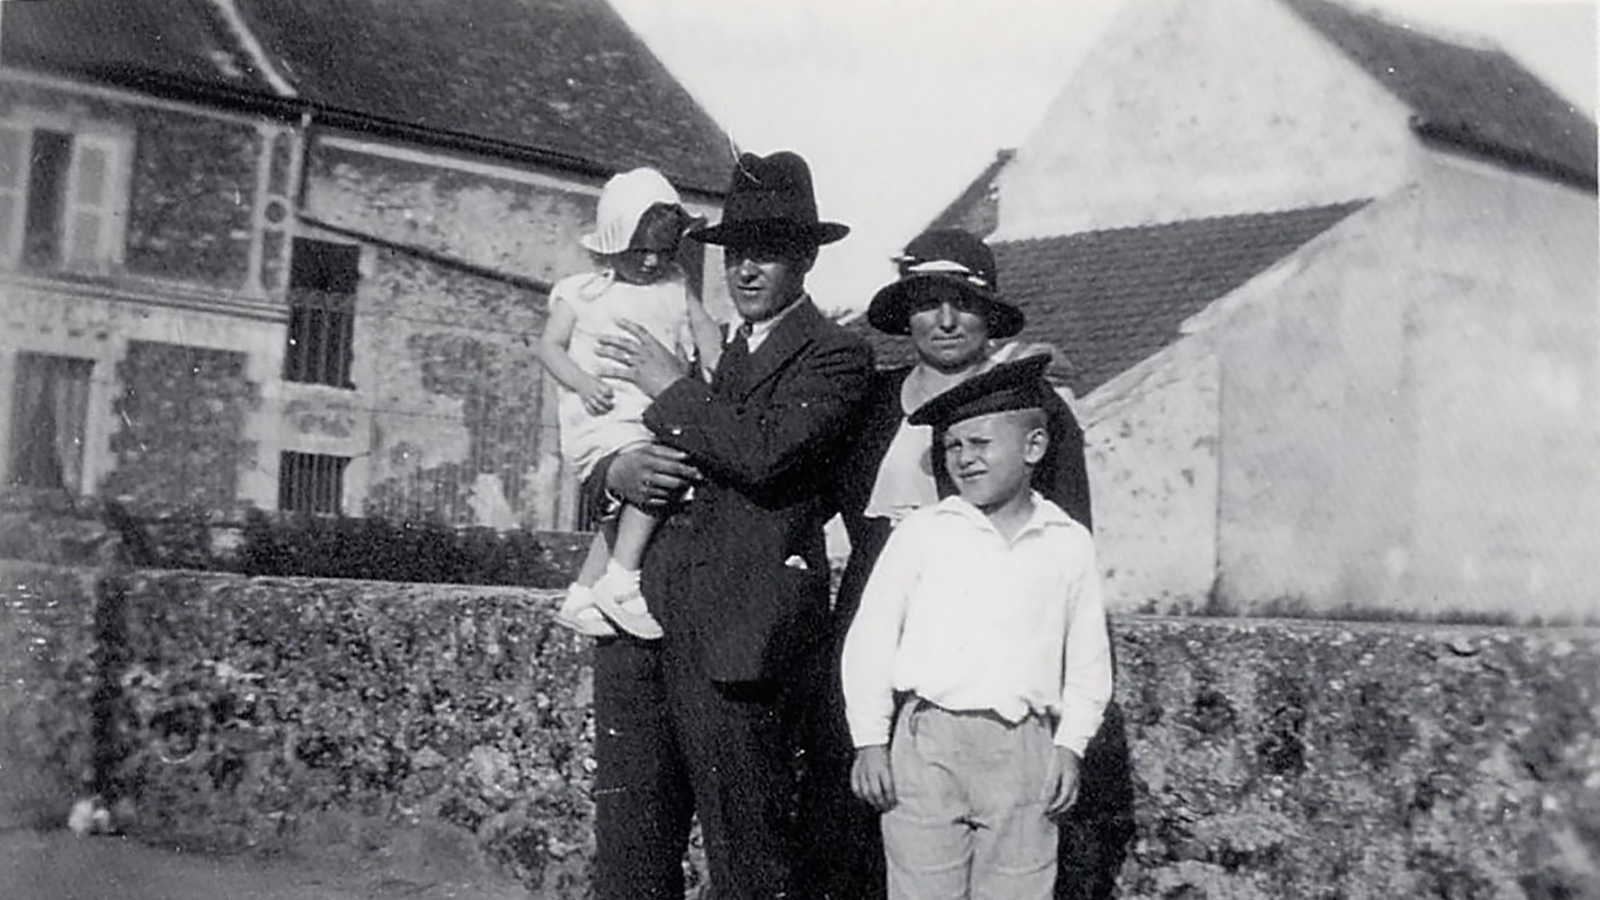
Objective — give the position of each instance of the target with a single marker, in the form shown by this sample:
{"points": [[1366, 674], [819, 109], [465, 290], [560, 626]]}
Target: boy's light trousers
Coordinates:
{"points": [[970, 794]]}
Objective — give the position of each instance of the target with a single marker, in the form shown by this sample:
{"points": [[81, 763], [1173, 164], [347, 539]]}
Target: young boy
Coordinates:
{"points": [[983, 618]]}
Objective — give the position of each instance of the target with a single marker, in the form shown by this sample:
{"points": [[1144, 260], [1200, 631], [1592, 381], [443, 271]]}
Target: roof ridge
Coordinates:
{"points": [[236, 25], [1432, 31], [1352, 204], [1109, 299]]}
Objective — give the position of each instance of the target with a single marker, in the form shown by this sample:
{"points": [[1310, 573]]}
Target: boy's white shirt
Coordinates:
{"points": [[968, 620]]}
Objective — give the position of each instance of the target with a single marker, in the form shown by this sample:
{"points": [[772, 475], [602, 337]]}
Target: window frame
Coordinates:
{"points": [[74, 474], [324, 319], [116, 143]]}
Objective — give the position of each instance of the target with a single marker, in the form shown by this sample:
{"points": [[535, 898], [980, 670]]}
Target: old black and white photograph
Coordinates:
{"points": [[799, 450]]}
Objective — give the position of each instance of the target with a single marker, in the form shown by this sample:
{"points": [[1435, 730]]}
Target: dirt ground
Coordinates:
{"points": [[56, 865]]}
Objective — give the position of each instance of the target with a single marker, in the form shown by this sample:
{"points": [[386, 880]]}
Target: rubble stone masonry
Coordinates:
{"points": [[1263, 759]]}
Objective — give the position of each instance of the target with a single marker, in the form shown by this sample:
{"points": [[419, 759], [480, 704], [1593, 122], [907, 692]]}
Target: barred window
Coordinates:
{"points": [[311, 483], [322, 289]]}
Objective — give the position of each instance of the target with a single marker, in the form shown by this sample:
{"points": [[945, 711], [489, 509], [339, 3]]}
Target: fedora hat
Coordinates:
{"points": [[944, 259], [770, 199]]}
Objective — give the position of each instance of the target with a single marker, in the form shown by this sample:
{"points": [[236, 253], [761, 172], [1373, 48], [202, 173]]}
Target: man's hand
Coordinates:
{"points": [[650, 475], [1065, 791], [641, 359], [870, 778]]}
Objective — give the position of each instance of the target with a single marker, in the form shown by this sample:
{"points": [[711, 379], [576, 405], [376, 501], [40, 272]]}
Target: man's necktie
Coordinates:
{"points": [[735, 359]]}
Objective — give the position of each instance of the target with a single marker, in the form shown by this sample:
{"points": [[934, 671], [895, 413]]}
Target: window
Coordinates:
{"points": [[63, 196], [322, 289], [49, 416], [311, 483]]}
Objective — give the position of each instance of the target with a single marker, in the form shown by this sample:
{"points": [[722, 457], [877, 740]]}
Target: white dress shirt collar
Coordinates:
{"points": [[760, 330]]}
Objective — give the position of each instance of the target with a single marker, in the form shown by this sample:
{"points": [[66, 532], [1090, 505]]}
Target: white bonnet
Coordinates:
{"points": [[623, 201]]}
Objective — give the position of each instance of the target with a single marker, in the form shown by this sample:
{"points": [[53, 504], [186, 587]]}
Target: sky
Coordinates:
{"points": [[899, 104]]}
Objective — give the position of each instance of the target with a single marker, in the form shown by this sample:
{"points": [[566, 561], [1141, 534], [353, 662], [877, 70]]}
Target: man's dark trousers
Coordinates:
{"points": [[669, 742]]}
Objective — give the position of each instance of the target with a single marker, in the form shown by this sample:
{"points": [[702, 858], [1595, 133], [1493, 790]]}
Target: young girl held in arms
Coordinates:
{"points": [[639, 223]]}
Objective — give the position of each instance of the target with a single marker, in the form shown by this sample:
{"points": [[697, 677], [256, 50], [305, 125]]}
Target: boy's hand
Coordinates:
{"points": [[1065, 792], [596, 395], [870, 777]]}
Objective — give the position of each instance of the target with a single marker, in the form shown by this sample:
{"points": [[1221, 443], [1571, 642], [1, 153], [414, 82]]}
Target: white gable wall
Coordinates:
{"points": [[1191, 108], [1409, 422], [1504, 340], [1150, 438]]}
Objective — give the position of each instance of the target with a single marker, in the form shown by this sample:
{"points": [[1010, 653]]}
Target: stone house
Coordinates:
{"points": [[293, 255], [1325, 288]]}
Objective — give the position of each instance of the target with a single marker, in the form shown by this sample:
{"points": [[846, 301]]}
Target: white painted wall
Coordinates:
{"points": [[1191, 108], [1151, 442], [1409, 418], [1504, 341]]}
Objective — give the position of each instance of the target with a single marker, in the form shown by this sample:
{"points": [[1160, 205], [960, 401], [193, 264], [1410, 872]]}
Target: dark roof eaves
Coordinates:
{"points": [[1314, 14], [1464, 142]]}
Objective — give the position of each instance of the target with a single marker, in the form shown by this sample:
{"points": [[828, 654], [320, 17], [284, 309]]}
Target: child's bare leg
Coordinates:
{"points": [[635, 525], [594, 562], [617, 593]]}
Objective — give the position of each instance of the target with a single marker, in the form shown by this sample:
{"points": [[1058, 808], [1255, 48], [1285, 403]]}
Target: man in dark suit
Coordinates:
{"points": [[701, 721]]}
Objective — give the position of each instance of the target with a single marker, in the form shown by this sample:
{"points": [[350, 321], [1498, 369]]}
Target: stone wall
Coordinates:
{"points": [[253, 712], [1268, 759], [183, 412], [1296, 759], [192, 180], [47, 684], [192, 215]]}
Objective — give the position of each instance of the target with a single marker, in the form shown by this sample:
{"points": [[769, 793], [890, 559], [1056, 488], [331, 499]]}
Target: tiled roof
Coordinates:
{"points": [[1108, 300], [888, 351], [176, 41], [565, 78], [1478, 100]]}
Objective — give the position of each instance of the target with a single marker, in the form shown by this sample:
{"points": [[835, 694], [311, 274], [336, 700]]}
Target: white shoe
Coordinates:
{"points": [[579, 613], [624, 605]]}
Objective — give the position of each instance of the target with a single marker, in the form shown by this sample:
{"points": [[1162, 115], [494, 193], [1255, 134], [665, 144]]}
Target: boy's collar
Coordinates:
{"points": [[1044, 512]]}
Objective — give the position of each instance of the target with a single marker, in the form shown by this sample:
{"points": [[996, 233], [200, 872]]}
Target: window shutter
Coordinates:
{"points": [[93, 227], [14, 145]]}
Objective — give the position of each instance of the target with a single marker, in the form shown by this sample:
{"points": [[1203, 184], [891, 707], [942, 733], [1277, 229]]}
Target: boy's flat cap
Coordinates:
{"points": [[1006, 387]]}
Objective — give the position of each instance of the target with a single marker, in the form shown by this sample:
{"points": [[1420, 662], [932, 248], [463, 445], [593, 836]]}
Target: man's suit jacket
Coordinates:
{"points": [[747, 575]]}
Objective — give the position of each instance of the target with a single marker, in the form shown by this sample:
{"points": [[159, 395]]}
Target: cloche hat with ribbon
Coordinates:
{"points": [[944, 259]]}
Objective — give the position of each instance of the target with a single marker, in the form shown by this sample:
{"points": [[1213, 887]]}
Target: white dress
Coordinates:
{"points": [[598, 301]]}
